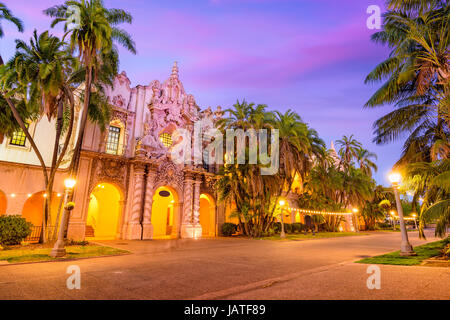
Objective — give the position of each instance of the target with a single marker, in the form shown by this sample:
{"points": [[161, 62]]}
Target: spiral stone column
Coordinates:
{"points": [[196, 214], [134, 225], [148, 203], [187, 230]]}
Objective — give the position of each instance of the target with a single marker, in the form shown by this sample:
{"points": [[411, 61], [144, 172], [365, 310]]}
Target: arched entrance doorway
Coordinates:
{"points": [[164, 213], [104, 212], [207, 215], [33, 209], [3, 203]]}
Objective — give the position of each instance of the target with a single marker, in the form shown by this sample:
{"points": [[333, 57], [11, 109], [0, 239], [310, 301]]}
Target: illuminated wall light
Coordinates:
{"points": [[45, 195], [58, 195], [13, 195], [29, 195]]}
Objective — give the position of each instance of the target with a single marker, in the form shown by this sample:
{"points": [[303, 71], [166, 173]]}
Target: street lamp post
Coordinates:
{"points": [[282, 234], [406, 248], [59, 250]]}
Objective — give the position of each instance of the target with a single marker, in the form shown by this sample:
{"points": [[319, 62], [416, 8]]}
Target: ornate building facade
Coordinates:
{"points": [[128, 187]]}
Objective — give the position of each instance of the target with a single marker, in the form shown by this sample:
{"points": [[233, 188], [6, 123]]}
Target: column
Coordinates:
{"points": [[186, 225], [148, 203], [196, 214], [81, 196], [122, 206], [137, 184]]}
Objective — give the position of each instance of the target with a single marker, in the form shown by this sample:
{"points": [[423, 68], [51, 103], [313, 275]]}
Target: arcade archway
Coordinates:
{"points": [[207, 215], [164, 212], [33, 209], [104, 212]]}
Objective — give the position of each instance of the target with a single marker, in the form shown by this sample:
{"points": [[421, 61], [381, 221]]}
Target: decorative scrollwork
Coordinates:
{"points": [[169, 173]]}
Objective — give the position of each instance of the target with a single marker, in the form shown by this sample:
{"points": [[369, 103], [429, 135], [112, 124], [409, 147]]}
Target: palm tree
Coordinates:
{"points": [[40, 72], [243, 184], [93, 37], [349, 149], [364, 160], [5, 14], [299, 147], [376, 209], [416, 76], [357, 187], [432, 182], [295, 147]]}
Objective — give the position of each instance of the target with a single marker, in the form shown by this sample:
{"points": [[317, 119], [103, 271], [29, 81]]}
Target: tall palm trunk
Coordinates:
{"points": [[87, 97], [63, 152], [49, 198]]}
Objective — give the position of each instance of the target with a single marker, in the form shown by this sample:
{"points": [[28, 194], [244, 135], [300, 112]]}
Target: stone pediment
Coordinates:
{"points": [[170, 103], [120, 94]]}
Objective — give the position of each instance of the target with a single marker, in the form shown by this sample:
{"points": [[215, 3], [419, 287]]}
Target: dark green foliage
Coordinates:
{"points": [[288, 228], [298, 227], [228, 229], [13, 230], [383, 225], [277, 227]]}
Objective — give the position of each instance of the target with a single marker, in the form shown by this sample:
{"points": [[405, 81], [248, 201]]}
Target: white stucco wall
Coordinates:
{"points": [[43, 133]]}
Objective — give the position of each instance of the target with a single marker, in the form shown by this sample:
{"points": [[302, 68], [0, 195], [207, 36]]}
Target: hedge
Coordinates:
{"points": [[13, 230]]}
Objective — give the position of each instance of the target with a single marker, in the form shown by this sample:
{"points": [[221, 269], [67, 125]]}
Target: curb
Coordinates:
{"points": [[61, 260]]}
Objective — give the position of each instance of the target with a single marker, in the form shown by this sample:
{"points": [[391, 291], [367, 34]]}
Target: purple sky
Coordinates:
{"points": [[308, 55]]}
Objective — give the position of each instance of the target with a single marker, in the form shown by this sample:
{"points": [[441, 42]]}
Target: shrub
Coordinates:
{"points": [[228, 229], [383, 225], [13, 230], [288, 228], [297, 227]]}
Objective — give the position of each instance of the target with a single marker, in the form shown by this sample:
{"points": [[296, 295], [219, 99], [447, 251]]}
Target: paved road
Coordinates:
{"points": [[231, 269]]}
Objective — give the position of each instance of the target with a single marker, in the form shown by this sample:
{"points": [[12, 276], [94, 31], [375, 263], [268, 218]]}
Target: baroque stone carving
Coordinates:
{"points": [[210, 183], [169, 174], [109, 170], [118, 101], [112, 170]]}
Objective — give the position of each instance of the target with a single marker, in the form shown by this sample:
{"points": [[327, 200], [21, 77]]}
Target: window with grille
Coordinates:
{"points": [[19, 138], [166, 139], [112, 144]]}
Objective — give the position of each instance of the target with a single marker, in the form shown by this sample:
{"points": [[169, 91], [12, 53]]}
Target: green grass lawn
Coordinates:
{"points": [[424, 252], [320, 235], [25, 254]]}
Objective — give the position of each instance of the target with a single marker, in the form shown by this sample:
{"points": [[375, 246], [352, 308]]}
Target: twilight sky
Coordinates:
{"points": [[307, 55]]}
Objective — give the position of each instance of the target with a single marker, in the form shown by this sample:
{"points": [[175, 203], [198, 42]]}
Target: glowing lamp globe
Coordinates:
{"points": [[70, 183], [281, 202], [395, 178]]}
